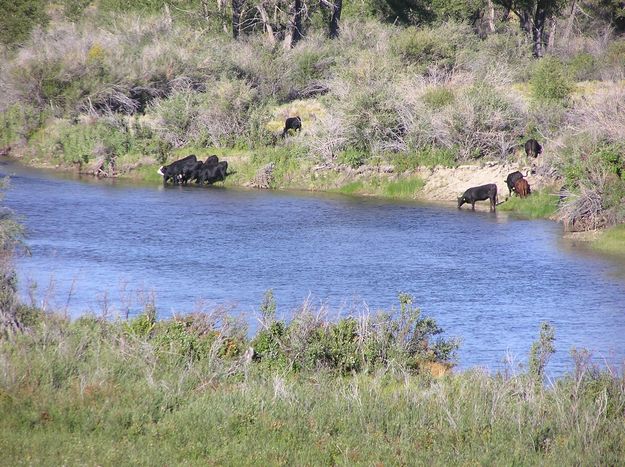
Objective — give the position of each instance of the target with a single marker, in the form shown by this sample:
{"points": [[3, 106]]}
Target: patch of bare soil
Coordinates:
{"points": [[447, 184]]}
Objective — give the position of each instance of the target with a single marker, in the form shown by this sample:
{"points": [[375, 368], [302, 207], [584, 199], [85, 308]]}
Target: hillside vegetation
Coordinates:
{"points": [[392, 90]]}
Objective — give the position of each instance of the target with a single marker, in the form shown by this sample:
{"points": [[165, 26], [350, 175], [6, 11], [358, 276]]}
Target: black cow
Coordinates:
{"points": [[211, 173], [212, 160], [511, 180], [292, 123], [176, 169], [479, 193], [533, 148], [189, 172], [204, 171]]}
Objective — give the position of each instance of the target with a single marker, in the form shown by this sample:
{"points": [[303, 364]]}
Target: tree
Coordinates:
{"points": [[237, 11], [294, 28], [533, 16], [335, 8]]}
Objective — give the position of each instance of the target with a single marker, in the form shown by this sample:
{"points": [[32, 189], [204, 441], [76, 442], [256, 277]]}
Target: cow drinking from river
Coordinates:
{"points": [[480, 193], [178, 169]]}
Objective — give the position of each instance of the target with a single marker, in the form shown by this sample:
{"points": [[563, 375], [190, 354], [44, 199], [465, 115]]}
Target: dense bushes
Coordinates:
{"points": [[140, 85], [361, 343]]}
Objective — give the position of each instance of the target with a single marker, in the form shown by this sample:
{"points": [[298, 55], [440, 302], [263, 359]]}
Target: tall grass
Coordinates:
{"points": [[611, 241], [99, 392], [539, 205]]}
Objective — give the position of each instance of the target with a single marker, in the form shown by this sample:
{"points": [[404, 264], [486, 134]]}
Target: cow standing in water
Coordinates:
{"points": [[177, 170], [480, 193], [292, 123], [533, 148]]}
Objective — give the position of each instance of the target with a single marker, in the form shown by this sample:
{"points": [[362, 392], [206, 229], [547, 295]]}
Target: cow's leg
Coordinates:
{"points": [[473, 205]]}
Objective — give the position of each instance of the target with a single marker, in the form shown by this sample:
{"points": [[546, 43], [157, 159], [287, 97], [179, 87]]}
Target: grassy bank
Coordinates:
{"points": [[94, 391], [611, 241], [539, 205]]}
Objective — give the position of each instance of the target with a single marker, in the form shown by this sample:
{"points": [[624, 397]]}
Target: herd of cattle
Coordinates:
{"points": [[213, 170], [190, 169], [515, 181]]}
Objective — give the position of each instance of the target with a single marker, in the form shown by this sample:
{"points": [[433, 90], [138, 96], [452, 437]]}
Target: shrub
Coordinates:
{"points": [[222, 115], [354, 344], [429, 47], [614, 60], [368, 118], [143, 325], [352, 158], [85, 141], [403, 188], [18, 19], [483, 122], [549, 80], [539, 205], [432, 156], [18, 123], [541, 351], [582, 67], [439, 97]]}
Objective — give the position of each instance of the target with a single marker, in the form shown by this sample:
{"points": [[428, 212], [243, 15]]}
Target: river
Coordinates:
{"points": [[489, 279]]}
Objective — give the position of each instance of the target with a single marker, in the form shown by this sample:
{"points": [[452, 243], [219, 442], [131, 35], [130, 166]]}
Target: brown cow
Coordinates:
{"points": [[522, 188]]}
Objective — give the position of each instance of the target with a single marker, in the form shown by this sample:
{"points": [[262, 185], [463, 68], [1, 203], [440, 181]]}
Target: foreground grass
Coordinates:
{"points": [[95, 392]]}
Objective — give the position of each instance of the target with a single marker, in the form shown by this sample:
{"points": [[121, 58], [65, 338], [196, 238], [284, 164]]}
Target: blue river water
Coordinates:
{"points": [[489, 279]]}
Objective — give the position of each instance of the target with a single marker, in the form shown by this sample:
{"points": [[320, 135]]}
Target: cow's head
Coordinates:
{"points": [[160, 170], [461, 201]]}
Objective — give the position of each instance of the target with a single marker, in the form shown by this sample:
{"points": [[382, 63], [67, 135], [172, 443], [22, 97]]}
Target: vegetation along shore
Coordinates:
{"points": [[393, 101], [409, 100]]}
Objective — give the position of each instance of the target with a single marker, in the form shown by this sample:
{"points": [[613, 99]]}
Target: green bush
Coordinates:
{"points": [[87, 141], [432, 156], [549, 80], [615, 55], [19, 122], [439, 97], [403, 188], [18, 18], [370, 119], [582, 67], [484, 121], [438, 46], [143, 325], [351, 157], [349, 345]]}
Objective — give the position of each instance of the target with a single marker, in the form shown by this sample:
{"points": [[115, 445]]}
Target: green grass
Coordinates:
{"points": [[611, 241], [402, 189], [406, 188], [352, 188], [95, 392], [539, 205]]}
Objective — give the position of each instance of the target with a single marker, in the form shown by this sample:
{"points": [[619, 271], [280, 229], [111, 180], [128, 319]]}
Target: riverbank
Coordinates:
{"points": [[437, 184], [95, 391]]}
